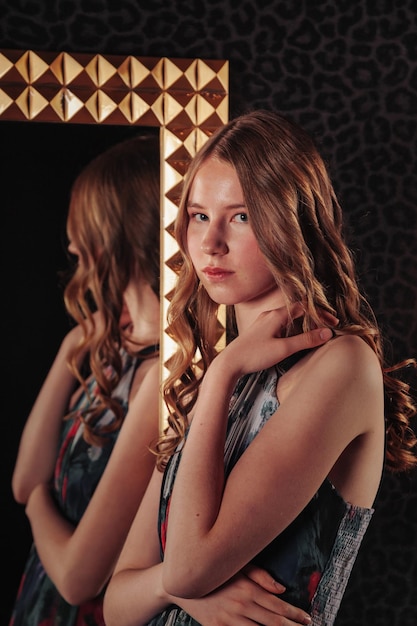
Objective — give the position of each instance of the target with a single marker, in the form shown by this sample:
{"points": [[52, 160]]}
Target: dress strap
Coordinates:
{"points": [[148, 350], [286, 364]]}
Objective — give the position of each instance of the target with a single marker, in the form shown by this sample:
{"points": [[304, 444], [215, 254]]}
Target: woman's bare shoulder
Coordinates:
{"points": [[343, 352], [344, 361], [348, 354], [148, 372]]}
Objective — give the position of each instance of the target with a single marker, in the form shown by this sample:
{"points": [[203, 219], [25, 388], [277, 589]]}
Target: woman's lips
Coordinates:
{"points": [[216, 273]]}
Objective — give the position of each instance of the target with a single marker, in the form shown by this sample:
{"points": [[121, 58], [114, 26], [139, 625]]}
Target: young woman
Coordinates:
{"points": [[277, 444], [80, 488]]}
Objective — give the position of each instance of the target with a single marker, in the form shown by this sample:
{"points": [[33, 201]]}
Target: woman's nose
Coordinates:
{"points": [[72, 249], [214, 242]]}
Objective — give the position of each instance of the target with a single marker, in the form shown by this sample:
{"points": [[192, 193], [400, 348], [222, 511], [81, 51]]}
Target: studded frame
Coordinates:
{"points": [[186, 98]]}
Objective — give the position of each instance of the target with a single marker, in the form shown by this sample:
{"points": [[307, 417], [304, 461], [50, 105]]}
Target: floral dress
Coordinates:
{"points": [[314, 556], [78, 469]]}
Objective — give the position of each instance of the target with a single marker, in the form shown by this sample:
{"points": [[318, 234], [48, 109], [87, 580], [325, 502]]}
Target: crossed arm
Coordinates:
{"points": [[215, 527], [80, 559]]}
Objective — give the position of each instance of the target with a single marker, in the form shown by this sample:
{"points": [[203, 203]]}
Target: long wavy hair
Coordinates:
{"points": [[298, 223], [113, 220]]}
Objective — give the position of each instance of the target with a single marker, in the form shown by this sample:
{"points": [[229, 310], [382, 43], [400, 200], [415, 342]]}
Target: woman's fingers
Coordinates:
{"points": [[270, 605], [262, 578]]}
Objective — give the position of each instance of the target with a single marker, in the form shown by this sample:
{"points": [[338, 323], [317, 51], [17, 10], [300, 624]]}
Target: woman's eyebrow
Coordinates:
{"points": [[234, 206]]}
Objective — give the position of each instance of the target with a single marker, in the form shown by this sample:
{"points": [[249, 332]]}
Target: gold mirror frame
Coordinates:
{"points": [[186, 98]]}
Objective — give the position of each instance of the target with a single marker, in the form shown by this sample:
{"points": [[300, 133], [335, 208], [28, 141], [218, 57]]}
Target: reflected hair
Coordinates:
{"points": [[113, 220]]}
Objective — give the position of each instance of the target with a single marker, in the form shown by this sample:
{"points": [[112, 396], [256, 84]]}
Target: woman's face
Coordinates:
{"points": [[220, 240]]}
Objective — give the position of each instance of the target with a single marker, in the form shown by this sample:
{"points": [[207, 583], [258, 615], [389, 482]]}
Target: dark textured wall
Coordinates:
{"points": [[345, 70]]}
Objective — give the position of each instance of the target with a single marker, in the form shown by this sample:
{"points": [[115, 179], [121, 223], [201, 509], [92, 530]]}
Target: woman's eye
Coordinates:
{"points": [[241, 217], [199, 217]]}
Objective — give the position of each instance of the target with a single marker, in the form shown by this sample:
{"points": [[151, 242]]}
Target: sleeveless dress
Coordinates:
{"points": [[314, 556], [78, 470]]}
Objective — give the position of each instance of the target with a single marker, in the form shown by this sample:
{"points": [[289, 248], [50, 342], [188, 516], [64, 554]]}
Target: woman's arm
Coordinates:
{"points": [[81, 559], [227, 523], [38, 444], [135, 593]]}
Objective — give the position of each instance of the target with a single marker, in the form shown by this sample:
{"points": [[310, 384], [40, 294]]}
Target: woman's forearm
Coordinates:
{"points": [[134, 597], [51, 534], [199, 484], [37, 449]]}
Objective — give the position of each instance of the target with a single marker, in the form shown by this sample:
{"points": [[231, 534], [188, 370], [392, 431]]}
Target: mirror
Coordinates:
{"points": [[187, 99]]}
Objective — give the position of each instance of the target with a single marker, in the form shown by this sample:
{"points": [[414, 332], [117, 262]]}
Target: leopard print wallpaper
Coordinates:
{"points": [[345, 70]]}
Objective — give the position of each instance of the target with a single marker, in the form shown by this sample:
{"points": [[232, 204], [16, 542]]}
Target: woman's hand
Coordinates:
{"points": [[250, 597], [261, 344]]}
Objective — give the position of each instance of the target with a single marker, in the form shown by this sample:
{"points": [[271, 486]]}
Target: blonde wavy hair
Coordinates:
{"points": [[298, 223], [113, 220]]}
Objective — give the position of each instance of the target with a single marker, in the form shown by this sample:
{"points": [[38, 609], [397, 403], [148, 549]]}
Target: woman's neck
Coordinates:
{"points": [[144, 312], [247, 312]]}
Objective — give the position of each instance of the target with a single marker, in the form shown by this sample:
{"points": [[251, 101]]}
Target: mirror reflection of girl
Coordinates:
{"points": [[83, 463], [284, 456]]}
